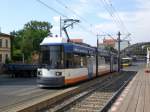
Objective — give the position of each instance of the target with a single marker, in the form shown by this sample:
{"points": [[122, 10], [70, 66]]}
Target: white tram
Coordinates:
{"points": [[66, 63]]}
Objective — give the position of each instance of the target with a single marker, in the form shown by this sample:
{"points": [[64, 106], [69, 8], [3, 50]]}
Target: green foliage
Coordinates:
{"points": [[7, 61], [17, 55], [110, 48], [28, 39]]}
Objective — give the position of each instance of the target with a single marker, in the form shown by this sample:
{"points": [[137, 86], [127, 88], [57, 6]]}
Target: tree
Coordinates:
{"points": [[28, 39], [110, 48]]}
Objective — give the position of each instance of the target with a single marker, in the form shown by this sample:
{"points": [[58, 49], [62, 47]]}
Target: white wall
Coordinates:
{"points": [[123, 44]]}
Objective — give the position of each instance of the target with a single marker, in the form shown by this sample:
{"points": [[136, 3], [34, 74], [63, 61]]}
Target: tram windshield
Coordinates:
{"points": [[52, 56], [126, 61]]}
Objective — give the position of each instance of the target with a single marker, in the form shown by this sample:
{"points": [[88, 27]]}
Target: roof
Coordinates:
{"points": [[6, 35], [52, 40], [109, 40], [77, 40], [72, 47]]}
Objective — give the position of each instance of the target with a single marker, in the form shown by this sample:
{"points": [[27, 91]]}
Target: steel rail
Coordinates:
{"points": [[115, 96], [76, 98]]}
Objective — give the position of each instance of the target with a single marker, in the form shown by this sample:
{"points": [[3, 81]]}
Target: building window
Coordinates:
{"points": [[6, 43], [0, 42], [0, 58]]}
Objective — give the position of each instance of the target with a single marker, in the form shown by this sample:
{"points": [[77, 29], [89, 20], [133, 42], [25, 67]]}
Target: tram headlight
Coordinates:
{"points": [[58, 73]]}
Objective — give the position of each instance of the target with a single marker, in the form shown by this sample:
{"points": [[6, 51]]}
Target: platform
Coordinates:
{"points": [[136, 96]]}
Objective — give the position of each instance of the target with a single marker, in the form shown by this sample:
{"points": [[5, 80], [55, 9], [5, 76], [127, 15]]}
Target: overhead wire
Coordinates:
{"points": [[64, 5], [82, 18], [54, 10], [51, 8], [116, 12], [115, 16], [71, 10], [110, 13]]}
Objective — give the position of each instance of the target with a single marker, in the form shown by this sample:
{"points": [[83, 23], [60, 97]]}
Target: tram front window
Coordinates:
{"points": [[52, 56]]}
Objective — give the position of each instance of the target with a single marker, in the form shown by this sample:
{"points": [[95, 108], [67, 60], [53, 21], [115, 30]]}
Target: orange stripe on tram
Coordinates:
{"points": [[76, 79]]}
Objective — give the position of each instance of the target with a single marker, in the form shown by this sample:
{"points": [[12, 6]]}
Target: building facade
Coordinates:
{"points": [[109, 42], [77, 40], [114, 43], [5, 47], [123, 44]]}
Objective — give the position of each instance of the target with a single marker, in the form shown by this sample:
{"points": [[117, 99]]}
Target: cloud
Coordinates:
{"points": [[136, 21], [83, 1], [105, 27], [143, 4], [103, 15], [82, 7], [140, 26], [56, 19]]}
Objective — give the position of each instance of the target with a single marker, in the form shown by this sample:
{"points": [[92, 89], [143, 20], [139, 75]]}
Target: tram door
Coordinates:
{"points": [[90, 67]]}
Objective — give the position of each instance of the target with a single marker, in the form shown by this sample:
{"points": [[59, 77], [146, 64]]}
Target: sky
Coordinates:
{"points": [[131, 17]]}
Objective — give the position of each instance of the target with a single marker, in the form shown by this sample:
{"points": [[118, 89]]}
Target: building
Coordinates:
{"points": [[77, 40], [109, 42], [101, 46], [5, 47], [123, 44], [114, 43]]}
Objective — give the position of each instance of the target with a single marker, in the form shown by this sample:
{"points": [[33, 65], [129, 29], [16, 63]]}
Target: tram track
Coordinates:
{"points": [[44, 97], [94, 98], [64, 100]]}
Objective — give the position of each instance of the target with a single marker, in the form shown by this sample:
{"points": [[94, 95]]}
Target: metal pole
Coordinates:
{"points": [[68, 39], [60, 27], [119, 62], [97, 57]]}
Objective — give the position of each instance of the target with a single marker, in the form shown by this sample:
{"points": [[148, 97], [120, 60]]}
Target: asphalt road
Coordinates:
{"points": [[14, 90]]}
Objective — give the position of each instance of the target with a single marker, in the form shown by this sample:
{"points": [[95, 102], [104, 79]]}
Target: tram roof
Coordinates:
{"points": [[73, 47], [70, 47]]}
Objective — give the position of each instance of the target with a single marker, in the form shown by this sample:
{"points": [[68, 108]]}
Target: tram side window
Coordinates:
{"points": [[75, 60], [68, 60], [115, 60], [107, 60], [83, 61], [80, 61], [101, 60]]}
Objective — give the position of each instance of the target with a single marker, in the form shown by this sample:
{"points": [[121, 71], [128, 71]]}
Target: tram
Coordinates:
{"points": [[126, 62], [66, 63]]}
